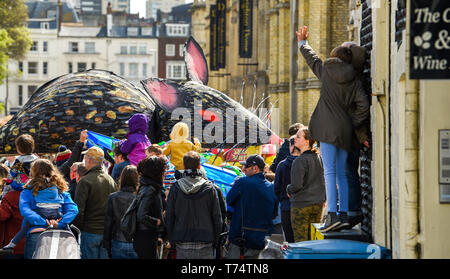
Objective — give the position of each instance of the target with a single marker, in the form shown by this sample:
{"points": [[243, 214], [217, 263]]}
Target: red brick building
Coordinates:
{"points": [[174, 31]]}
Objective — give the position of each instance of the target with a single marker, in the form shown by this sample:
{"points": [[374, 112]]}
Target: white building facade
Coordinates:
{"points": [[152, 6], [74, 49]]}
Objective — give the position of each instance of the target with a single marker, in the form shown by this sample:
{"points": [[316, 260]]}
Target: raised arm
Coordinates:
{"points": [[312, 59]]}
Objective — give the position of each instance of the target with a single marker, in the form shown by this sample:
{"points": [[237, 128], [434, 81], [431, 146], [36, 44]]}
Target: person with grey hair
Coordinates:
{"points": [[91, 196]]}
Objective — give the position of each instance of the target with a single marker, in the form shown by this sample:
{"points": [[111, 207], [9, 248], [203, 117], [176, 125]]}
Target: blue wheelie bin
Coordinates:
{"points": [[335, 249]]}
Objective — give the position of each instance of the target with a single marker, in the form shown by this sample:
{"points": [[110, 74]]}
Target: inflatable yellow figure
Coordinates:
{"points": [[179, 145]]}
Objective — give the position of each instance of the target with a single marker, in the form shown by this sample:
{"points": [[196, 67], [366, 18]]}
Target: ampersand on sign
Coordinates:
{"points": [[443, 41]]}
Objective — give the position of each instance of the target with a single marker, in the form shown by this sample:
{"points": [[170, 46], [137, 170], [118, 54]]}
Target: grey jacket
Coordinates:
{"points": [[193, 211], [307, 186], [341, 91]]}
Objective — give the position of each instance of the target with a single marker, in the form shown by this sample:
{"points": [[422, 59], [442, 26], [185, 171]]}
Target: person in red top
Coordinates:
{"points": [[10, 220]]}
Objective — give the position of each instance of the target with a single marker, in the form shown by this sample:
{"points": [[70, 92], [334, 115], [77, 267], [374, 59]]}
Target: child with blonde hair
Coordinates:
{"points": [[180, 145]]}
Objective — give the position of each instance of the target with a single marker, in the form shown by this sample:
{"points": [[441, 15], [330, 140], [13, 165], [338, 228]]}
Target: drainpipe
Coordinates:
{"points": [[412, 213], [413, 247], [293, 59]]}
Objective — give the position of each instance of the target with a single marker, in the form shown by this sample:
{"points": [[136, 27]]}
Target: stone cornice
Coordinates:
{"points": [[312, 83], [285, 5], [278, 88], [283, 87], [272, 11], [198, 5]]}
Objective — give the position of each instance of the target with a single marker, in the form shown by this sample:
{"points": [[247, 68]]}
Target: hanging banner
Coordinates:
{"points": [[221, 32], [245, 28], [213, 49], [430, 39]]}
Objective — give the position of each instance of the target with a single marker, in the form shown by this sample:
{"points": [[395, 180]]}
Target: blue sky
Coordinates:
{"points": [[139, 6]]}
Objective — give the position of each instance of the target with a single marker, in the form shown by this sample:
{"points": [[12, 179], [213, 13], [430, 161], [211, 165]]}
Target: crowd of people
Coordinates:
{"points": [[179, 213]]}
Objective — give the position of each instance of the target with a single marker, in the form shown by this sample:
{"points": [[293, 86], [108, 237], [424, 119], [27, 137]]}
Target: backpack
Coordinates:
{"points": [[128, 223]]}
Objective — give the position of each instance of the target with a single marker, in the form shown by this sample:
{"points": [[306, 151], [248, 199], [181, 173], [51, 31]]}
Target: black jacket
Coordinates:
{"points": [[307, 186], [343, 105], [282, 179], [150, 208], [116, 207], [282, 154], [193, 211]]}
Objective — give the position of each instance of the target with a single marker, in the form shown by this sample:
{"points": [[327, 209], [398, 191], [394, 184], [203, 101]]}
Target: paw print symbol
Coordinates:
{"points": [[423, 41]]}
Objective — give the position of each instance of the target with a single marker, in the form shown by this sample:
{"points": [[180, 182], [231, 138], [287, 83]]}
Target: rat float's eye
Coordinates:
{"points": [[208, 115]]}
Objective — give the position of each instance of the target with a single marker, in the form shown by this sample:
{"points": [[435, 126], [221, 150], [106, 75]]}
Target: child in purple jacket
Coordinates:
{"points": [[137, 140]]}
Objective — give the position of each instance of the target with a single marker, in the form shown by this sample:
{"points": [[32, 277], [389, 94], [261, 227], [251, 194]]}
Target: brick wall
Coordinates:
{"points": [[327, 21]]}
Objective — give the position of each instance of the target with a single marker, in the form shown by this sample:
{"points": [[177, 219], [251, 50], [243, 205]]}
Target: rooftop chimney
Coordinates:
{"points": [[109, 20], [60, 15]]}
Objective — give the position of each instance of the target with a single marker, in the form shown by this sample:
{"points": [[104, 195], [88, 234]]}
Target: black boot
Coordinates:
{"points": [[355, 220], [6, 250], [344, 223], [331, 221]]}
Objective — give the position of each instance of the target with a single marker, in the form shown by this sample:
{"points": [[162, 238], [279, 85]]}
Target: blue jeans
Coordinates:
{"points": [[122, 250], [91, 246], [30, 244], [354, 184], [334, 166]]}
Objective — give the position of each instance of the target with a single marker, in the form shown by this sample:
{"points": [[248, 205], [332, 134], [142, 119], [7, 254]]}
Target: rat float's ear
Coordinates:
{"points": [[196, 65], [163, 92]]}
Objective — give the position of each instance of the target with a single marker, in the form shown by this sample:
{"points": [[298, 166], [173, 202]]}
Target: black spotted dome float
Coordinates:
{"points": [[101, 101]]}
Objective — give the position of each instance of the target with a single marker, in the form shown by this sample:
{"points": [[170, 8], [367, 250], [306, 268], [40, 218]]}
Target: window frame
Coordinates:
{"points": [[172, 52], [88, 49], [122, 68], [181, 50], [122, 48], [30, 92], [170, 65], [35, 67], [135, 71], [45, 68], [78, 66], [34, 46], [144, 70], [20, 95], [133, 47], [71, 47], [144, 48]]}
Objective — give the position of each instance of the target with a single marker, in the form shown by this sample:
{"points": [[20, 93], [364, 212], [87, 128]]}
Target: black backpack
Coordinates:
{"points": [[128, 223]]}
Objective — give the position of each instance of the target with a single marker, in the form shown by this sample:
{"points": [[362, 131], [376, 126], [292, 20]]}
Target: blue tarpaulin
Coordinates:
{"points": [[100, 140], [220, 176]]}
